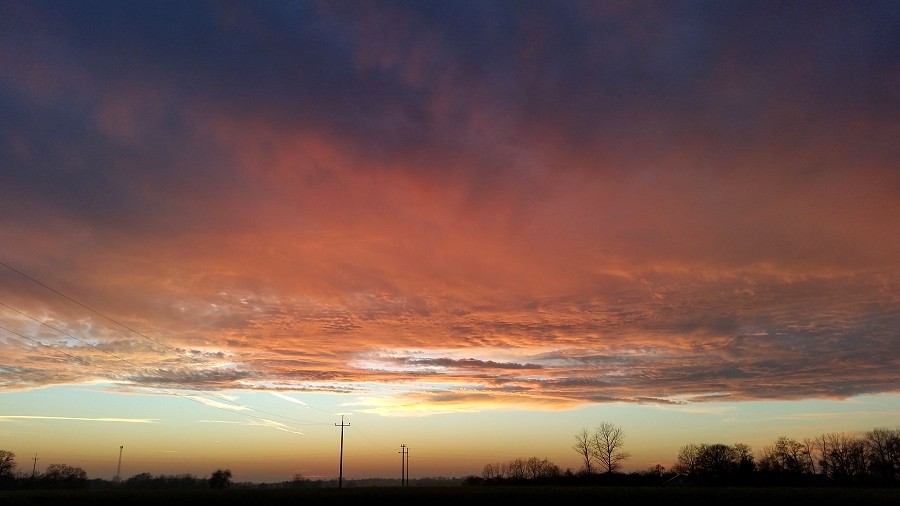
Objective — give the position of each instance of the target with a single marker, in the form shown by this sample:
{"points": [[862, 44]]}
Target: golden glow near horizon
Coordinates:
{"points": [[485, 227]]}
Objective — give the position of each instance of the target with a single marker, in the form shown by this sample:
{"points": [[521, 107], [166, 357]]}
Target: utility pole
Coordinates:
{"points": [[341, 467], [407, 466], [34, 467], [119, 468], [402, 453]]}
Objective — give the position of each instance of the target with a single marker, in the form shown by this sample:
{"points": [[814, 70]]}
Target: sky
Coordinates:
{"points": [[472, 228]]}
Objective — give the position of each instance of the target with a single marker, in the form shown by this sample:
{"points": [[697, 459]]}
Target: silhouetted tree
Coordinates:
{"points": [[787, 457], [492, 472], [715, 463], [7, 469], [843, 457], [883, 450], [583, 447], [181, 481], [606, 446], [541, 469], [64, 476], [686, 461], [140, 480], [7, 464], [746, 462], [297, 481], [221, 478], [515, 469], [520, 469]]}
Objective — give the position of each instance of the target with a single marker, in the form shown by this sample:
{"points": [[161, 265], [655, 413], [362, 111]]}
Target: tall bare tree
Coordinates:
{"points": [[809, 448], [583, 445], [606, 446]]}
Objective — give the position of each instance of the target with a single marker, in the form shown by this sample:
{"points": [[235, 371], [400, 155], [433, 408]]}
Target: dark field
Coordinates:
{"points": [[464, 496]]}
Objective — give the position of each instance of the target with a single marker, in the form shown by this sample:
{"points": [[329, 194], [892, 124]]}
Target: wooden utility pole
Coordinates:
{"points": [[341, 466], [402, 453]]}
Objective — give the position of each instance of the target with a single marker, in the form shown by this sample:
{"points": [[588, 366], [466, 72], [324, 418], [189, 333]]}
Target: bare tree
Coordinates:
{"points": [[809, 447], [823, 446], [532, 468], [583, 446], [516, 469], [686, 463], [716, 461], [538, 468], [606, 446], [786, 456], [883, 448], [7, 463], [843, 456], [492, 471]]}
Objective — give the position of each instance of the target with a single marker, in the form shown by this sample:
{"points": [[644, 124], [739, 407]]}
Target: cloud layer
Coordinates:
{"points": [[453, 205]]}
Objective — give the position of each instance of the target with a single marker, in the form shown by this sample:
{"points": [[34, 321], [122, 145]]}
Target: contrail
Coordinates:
{"points": [[288, 398]]}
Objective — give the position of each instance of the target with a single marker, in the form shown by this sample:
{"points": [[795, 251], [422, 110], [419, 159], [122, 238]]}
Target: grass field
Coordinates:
{"points": [[464, 496]]}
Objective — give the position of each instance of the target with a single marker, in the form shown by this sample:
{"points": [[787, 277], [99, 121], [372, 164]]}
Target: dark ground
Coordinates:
{"points": [[463, 496]]}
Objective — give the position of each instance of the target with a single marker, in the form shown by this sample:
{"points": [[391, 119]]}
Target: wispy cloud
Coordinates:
{"points": [[262, 422]]}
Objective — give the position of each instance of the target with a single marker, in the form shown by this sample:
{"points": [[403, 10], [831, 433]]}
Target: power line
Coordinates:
{"points": [[98, 313], [123, 359]]}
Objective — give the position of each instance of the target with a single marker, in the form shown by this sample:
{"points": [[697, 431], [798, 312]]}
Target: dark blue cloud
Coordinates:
{"points": [[589, 71], [608, 84]]}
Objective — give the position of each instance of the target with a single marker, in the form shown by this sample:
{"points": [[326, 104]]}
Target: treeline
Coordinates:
{"points": [[56, 476], [872, 459], [63, 476], [840, 458]]}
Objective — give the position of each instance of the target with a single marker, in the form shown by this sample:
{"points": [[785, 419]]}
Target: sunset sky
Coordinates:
{"points": [[471, 227]]}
